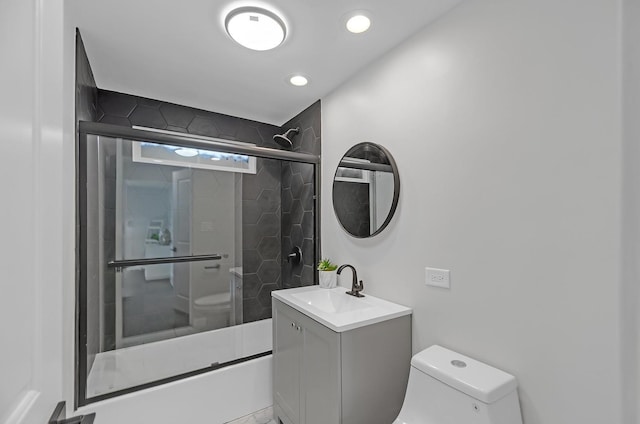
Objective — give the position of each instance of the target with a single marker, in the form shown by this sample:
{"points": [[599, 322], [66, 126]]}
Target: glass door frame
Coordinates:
{"points": [[86, 129]]}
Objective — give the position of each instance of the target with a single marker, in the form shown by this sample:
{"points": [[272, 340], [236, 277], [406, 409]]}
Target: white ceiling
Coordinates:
{"points": [[178, 51]]}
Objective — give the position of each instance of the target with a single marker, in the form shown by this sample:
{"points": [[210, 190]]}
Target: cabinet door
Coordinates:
{"points": [[287, 352], [320, 374]]}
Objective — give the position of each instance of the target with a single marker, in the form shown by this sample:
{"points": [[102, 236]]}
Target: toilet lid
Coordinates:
{"points": [[214, 299]]}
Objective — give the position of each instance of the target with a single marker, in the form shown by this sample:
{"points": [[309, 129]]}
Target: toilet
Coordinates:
{"points": [[446, 387], [212, 311]]}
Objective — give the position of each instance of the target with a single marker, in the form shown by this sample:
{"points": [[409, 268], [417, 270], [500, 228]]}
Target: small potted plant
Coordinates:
{"points": [[327, 276]]}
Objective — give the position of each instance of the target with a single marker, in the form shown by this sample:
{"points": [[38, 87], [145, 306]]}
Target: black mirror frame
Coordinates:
{"points": [[396, 189]]}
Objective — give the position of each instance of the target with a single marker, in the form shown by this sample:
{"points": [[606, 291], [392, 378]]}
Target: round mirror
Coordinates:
{"points": [[366, 188]]}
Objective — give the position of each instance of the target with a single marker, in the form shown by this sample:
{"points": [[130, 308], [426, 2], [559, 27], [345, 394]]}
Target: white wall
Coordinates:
{"points": [[16, 120], [33, 120], [505, 120], [630, 295], [143, 205]]}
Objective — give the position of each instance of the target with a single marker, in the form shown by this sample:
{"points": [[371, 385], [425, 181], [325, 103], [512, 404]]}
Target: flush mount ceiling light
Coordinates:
{"points": [[186, 152], [358, 23], [255, 28], [299, 80]]}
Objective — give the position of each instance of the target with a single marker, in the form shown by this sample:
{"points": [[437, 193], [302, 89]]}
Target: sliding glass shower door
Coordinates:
{"points": [[180, 249]]}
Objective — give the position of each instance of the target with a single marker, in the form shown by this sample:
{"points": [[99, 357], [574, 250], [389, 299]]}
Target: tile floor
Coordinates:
{"points": [[264, 416], [148, 306]]}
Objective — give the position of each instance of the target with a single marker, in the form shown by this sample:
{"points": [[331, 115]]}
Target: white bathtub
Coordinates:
{"points": [[214, 397]]}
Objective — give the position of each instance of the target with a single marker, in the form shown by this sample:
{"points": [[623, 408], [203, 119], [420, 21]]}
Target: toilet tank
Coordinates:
{"points": [[446, 387]]}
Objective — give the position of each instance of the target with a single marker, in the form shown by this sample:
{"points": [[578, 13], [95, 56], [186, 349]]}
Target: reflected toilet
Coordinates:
{"points": [[212, 311]]}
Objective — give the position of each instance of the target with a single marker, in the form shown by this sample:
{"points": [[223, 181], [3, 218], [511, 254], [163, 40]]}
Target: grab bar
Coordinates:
{"points": [[125, 263]]}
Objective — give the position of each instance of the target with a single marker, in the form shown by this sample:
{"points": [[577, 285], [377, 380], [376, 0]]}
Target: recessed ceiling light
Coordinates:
{"points": [[187, 153], [358, 24], [299, 80], [255, 28]]}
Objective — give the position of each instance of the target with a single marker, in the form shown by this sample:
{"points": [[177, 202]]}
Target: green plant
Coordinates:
{"points": [[326, 265]]}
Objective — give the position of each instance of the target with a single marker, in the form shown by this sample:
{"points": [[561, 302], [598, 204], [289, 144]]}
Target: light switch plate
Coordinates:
{"points": [[437, 277]]}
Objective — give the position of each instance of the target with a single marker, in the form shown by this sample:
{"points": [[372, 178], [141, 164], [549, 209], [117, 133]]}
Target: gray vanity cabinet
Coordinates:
{"points": [[307, 359], [325, 377], [287, 359]]}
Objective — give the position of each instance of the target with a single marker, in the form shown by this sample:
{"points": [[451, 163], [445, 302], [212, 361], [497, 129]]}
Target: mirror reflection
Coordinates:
{"points": [[366, 188]]}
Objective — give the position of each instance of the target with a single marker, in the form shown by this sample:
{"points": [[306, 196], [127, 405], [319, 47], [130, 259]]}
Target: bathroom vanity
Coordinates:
{"points": [[338, 359]]}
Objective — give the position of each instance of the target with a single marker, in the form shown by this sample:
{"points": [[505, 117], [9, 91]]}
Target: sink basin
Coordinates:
{"points": [[336, 309], [331, 302]]}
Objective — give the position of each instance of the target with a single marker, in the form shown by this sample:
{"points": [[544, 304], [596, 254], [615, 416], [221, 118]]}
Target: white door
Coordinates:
{"points": [[181, 222], [213, 231], [37, 256]]}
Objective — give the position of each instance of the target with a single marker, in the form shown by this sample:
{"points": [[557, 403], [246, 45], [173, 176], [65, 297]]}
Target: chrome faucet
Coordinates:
{"points": [[355, 287]]}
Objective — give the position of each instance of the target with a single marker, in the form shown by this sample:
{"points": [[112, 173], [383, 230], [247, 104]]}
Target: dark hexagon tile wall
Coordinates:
{"points": [[201, 125], [116, 104], [308, 140], [148, 116], [261, 192], [277, 202], [261, 237], [129, 110], [298, 214], [251, 285], [177, 116], [294, 223], [352, 208]]}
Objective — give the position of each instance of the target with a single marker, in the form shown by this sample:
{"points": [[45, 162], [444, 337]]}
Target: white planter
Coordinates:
{"points": [[327, 279]]}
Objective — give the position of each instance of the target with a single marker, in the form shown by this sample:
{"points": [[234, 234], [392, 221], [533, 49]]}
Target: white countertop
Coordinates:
{"points": [[338, 310]]}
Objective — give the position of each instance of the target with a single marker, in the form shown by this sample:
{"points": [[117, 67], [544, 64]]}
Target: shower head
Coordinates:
{"points": [[284, 140]]}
